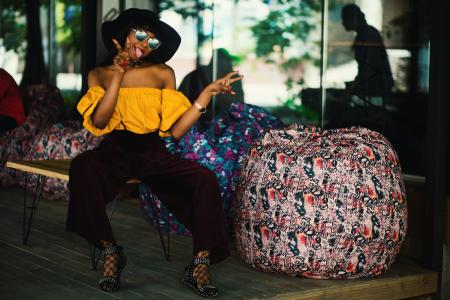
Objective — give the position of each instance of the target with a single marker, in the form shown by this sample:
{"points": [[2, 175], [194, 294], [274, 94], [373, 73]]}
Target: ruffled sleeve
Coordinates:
{"points": [[86, 107], [174, 105]]}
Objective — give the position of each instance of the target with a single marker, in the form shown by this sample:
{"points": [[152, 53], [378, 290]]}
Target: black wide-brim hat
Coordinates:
{"points": [[170, 39]]}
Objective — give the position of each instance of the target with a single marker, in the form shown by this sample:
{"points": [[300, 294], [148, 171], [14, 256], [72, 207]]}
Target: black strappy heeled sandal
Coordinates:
{"points": [[205, 290], [112, 283]]}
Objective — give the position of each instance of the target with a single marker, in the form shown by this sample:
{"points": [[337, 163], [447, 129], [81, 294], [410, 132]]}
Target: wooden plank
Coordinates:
{"points": [[51, 168], [58, 168], [385, 288], [54, 252], [44, 275]]}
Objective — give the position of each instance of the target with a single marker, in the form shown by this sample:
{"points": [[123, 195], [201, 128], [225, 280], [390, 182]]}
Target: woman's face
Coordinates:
{"points": [[139, 48]]}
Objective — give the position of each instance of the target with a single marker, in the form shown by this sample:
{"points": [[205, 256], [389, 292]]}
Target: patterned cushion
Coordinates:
{"points": [[46, 106], [321, 204], [41, 137], [62, 140], [221, 146]]}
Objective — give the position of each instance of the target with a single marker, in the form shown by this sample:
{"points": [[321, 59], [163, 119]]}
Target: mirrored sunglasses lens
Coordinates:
{"points": [[154, 44], [141, 35]]}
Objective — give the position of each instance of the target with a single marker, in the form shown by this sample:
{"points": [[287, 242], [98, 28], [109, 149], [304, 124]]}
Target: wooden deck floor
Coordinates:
{"points": [[56, 265]]}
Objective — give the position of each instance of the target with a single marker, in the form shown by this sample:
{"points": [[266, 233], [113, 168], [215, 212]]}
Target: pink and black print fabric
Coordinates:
{"points": [[321, 204], [42, 136]]}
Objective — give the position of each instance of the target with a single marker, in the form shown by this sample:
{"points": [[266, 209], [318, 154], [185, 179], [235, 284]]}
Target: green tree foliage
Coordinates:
{"points": [[285, 38], [12, 25], [287, 22], [68, 24], [190, 9], [185, 8]]}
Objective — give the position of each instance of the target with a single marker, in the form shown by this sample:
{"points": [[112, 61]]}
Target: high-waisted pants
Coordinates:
{"points": [[188, 190]]}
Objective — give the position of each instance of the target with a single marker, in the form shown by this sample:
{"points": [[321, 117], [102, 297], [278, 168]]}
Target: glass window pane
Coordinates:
{"points": [[274, 44], [12, 38], [377, 73], [66, 40], [188, 21]]}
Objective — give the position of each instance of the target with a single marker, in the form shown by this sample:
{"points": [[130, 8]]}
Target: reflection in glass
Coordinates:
{"points": [[278, 46], [374, 78], [197, 80], [364, 99], [377, 72], [13, 38]]}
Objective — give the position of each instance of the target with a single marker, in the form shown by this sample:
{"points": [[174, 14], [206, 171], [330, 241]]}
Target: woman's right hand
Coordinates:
{"points": [[223, 85], [121, 60]]}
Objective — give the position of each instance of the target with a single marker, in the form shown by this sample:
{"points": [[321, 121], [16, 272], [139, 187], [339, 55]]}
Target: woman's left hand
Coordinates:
{"points": [[122, 58], [223, 85]]}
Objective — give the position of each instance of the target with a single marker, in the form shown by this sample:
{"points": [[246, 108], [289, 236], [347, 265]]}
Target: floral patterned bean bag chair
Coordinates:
{"points": [[321, 204], [45, 107], [43, 136], [62, 140], [221, 146]]}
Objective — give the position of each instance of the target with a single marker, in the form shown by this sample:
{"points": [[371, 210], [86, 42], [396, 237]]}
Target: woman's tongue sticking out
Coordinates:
{"points": [[137, 52]]}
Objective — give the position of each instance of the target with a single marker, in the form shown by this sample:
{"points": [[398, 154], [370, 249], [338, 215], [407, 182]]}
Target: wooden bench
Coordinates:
{"points": [[60, 169]]}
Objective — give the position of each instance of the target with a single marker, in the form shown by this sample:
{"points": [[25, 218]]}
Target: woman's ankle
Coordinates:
{"points": [[106, 244], [202, 253], [197, 275], [114, 261]]}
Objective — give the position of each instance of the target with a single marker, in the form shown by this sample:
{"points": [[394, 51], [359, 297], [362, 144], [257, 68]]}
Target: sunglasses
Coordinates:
{"points": [[141, 36]]}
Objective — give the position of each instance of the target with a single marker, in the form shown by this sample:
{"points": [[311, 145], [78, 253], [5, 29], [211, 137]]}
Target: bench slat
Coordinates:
{"points": [[51, 168], [54, 168]]}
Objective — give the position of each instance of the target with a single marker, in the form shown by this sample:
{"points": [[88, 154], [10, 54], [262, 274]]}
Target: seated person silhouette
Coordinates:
{"points": [[374, 80], [194, 82]]}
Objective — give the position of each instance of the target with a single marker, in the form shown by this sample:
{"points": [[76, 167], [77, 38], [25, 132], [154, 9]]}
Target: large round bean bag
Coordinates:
{"points": [[321, 204]]}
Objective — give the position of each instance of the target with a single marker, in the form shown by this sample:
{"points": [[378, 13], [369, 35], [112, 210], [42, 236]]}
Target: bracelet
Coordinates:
{"points": [[200, 108]]}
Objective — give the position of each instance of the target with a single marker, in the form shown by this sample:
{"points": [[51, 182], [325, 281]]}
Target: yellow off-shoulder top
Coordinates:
{"points": [[140, 110]]}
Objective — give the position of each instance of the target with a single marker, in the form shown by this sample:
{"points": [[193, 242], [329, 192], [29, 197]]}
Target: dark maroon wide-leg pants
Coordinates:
{"points": [[189, 191]]}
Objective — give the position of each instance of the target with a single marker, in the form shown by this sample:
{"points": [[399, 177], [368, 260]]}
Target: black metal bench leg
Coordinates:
{"points": [[158, 222], [93, 252], [168, 239], [94, 257], [26, 224]]}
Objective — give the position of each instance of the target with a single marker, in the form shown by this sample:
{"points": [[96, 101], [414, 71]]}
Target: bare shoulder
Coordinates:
{"points": [[104, 71], [93, 73], [93, 77], [165, 74], [100, 76], [163, 69]]}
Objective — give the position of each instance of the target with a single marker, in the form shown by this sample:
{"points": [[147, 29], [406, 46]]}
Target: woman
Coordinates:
{"points": [[134, 101]]}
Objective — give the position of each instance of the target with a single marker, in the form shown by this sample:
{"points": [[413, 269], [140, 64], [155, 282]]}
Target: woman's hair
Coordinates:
{"points": [[121, 37]]}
